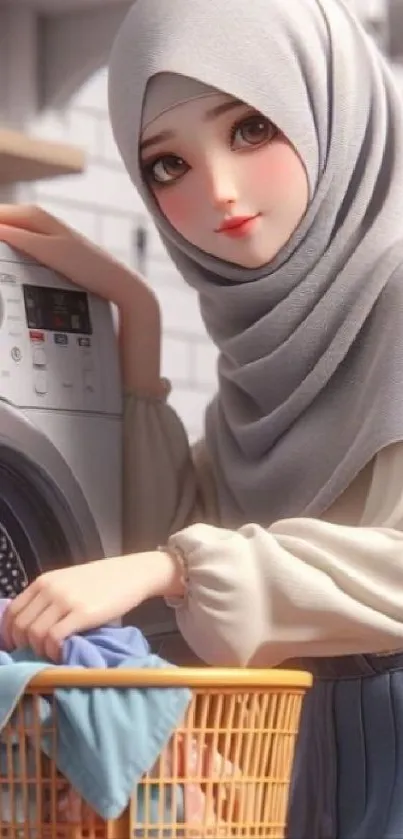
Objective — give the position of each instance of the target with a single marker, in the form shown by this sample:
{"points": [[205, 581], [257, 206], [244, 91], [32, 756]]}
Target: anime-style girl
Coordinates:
{"points": [[267, 142]]}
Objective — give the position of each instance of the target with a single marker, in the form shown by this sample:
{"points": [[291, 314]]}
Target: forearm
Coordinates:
{"points": [[140, 344], [152, 574]]}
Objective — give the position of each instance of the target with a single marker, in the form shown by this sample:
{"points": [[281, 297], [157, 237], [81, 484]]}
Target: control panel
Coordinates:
{"points": [[58, 347]]}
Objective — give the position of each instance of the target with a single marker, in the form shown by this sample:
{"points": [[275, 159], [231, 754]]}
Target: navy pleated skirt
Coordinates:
{"points": [[348, 771]]}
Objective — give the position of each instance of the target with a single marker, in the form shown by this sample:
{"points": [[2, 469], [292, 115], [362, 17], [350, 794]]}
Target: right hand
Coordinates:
{"points": [[43, 237], [70, 600]]}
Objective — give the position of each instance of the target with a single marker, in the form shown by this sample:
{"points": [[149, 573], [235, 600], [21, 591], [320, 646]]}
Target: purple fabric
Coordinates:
{"points": [[108, 646], [105, 647]]}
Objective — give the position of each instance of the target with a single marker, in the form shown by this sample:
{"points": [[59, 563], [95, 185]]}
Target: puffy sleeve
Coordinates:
{"points": [[302, 587], [167, 483]]}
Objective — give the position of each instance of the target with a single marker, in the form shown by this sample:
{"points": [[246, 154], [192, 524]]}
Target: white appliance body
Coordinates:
{"points": [[60, 417]]}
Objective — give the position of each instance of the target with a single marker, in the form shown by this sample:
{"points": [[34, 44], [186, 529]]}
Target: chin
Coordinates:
{"points": [[253, 262], [253, 265]]}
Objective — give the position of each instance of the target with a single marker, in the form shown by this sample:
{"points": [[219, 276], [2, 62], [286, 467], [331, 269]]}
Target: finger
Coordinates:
{"points": [[49, 250], [23, 621], [12, 611], [29, 217], [23, 240], [41, 629], [69, 625]]}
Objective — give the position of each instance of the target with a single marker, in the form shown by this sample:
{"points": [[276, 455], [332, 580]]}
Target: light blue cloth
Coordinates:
{"points": [[106, 738]]}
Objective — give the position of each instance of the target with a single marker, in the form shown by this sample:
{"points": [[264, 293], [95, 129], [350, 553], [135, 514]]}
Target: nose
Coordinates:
{"points": [[221, 183]]}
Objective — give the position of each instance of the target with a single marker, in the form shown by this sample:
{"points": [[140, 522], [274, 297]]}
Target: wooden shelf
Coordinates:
{"points": [[25, 158]]}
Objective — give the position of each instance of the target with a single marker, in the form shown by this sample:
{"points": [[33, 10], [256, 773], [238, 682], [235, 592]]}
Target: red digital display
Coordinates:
{"points": [[57, 310]]}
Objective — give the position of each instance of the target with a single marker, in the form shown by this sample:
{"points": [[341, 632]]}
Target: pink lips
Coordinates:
{"points": [[237, 225]]}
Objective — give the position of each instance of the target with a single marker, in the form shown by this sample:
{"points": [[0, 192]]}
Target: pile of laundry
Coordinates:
{"points": [[107, 740]]}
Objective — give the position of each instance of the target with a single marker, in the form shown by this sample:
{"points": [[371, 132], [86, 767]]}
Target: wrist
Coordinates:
{"points": [[140, 312], [166, 574], [134, 297]]}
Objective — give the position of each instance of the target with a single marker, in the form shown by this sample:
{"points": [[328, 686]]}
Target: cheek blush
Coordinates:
{"points": [[177, 207]]}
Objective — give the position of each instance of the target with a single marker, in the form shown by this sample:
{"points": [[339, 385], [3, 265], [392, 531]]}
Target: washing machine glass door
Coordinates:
{"points": [[45, 522]]}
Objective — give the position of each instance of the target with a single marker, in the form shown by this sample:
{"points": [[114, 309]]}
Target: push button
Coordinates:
{"points": [[16, 354], [36, 335], [89, 381], [39, 357], [88, 362], [41, 382], [66, 373], [84, 341]]}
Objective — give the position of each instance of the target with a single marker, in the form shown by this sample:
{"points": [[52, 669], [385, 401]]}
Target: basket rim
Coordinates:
{"points": [[191, 677]]}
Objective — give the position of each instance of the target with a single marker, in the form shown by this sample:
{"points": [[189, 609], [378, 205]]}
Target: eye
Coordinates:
{"points": [[166, 169], [252, 131]]}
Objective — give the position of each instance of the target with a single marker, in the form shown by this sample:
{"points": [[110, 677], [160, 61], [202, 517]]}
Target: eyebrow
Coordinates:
{"points": [[212, 113]]}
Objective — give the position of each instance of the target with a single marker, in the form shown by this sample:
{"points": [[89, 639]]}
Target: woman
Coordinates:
{"points": [[267, 143]]}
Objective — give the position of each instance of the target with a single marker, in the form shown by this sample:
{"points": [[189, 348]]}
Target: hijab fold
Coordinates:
{"points": [[311, 345]]}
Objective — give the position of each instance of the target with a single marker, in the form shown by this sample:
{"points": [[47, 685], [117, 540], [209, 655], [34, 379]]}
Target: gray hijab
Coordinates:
{"points": [[311, 345]]}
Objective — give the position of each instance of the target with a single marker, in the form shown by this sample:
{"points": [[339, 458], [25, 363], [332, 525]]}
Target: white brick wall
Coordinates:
{"points": [[103, 204]]}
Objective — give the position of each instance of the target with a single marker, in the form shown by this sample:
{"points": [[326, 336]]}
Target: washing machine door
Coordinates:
{"points": [[45, 521]]}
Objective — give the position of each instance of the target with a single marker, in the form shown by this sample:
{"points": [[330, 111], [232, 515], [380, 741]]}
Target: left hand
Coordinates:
{"points": [[48, 240], [75, 599]]}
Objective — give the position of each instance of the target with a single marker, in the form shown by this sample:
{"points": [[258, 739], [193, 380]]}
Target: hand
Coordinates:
{"points": [[52, 243], [72, 600]]}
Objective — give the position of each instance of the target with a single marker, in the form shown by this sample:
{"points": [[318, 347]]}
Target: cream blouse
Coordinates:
{"points": [[302, 587]]}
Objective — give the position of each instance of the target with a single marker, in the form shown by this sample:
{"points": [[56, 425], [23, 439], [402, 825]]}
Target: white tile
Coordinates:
{"points": [[94, 93], [51, 125], [108, 147], [99, 185], [204, 368], [176, 359], [180, 311], [155, 247], [84, 131], [162, 272], [117, 231], [190, 406]]}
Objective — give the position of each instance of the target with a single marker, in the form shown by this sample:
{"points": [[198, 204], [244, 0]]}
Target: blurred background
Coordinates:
{"points": [[56, 150]]}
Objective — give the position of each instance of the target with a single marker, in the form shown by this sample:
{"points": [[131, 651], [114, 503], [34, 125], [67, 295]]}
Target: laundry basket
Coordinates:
{"points": [[224, 773]]}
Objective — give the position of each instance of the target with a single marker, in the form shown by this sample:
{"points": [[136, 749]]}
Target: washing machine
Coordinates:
{"points": [[60, 424]]}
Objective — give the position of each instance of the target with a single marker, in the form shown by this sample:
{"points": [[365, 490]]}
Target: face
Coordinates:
{"points": [[225, 178]]}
